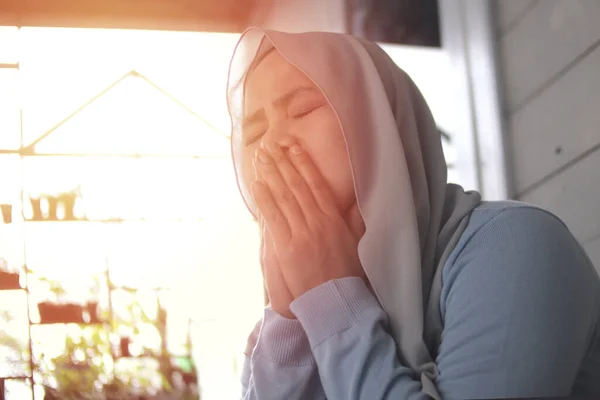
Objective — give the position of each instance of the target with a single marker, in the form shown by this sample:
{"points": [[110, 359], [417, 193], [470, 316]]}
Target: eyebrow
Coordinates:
{"points": [[258, 115]]}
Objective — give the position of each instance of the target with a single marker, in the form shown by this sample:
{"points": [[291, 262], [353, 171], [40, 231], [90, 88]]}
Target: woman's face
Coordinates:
{"points": [[282, 105]]}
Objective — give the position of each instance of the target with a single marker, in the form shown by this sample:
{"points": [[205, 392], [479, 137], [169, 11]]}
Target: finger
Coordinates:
{"points": [[281, 193], [294, 181], [279, 294], [272, 216], [263, 261], [262, 246], [315, 181]]}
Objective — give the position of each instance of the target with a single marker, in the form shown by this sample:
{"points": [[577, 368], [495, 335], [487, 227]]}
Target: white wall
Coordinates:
{"points": [[550, 62]]}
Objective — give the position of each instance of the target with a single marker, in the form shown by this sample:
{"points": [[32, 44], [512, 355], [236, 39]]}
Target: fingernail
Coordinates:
{"points": [[295, 149], [262, 156]]}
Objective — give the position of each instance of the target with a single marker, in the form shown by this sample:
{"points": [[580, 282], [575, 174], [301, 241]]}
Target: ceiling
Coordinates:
{"points": [[178, 15]]}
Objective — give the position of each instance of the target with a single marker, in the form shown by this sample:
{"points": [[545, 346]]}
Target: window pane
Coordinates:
{"points": [[11, 224], [18, 389], [134, 307], [10, 190], [71, 358], [178, 341], [151, 255], [9, 45], [139, 377], [14, 334], [215, 357], [102, 188], [67, 260], [135, 117], [80, 63], [10, 138], [64, 250]]}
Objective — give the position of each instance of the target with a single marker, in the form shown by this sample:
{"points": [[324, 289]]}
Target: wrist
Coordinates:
{"points": [[334, 307], [283, 341], [282, 311]]}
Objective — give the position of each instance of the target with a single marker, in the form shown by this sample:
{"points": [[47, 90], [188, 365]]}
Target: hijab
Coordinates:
{"points": [[413, 217]]}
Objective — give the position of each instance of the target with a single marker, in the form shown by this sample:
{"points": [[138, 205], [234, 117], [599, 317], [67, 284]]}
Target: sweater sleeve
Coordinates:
{"points": [[279, 363], [520, 305]]}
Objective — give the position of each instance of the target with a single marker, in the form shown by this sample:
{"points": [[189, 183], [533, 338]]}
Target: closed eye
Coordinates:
{"points": [[304, 113]]}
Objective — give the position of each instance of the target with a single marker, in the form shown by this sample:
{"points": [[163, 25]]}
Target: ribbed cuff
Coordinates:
{"points": [[283, 341], [333, 307]]}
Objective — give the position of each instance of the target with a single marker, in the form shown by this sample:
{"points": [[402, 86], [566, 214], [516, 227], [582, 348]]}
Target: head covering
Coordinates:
{"points": [[413, 218]]}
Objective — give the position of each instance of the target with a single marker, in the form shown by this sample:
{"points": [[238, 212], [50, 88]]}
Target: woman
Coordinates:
{"points": [[384, 281]]}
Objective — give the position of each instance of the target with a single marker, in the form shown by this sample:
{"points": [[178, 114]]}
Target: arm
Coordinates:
{"points": [[355, 355], [521, 301], [519, 304], [281, 365]]}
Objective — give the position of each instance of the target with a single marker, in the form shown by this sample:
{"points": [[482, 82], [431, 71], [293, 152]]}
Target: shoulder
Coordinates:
{"points": [[508, 244], [490, 216], [520, 306], [509, 226]]}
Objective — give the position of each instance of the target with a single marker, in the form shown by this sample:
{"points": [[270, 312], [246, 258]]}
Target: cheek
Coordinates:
{"points": [[328, 150], [339, 177]]}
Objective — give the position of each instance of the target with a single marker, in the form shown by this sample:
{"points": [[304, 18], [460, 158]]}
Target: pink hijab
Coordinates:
{"points": [[413, 217]]}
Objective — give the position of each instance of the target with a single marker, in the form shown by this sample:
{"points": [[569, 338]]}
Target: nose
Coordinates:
{"points": [[278, 134]]}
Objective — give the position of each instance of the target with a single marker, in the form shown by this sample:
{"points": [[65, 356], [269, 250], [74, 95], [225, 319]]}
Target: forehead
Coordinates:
{"points": [[272, 78]]}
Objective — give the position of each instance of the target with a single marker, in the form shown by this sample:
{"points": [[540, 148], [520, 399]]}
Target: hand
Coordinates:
{"points": [[312, 241], [279, 294]]}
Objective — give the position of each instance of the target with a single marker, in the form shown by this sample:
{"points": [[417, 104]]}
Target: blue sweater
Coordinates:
{"points": [[520, 305]]}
